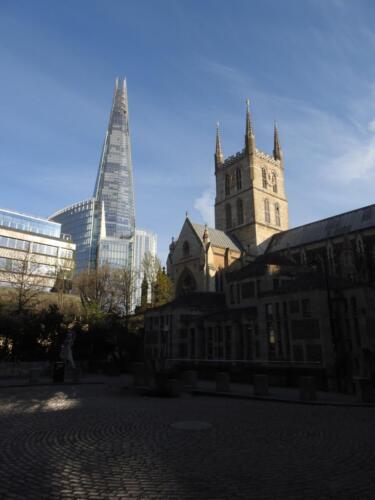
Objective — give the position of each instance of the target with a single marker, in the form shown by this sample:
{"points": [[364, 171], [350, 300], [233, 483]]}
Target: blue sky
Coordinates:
{"points": [[309, 64]]}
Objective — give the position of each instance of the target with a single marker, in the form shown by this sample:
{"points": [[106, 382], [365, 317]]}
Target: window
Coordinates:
{"points": [[239, 211], [5, 264], [45, 249], [227, 185], [267, 217], [228, 216], [268, 309], [274, 182], [331, 260], [186, 249], [264, 178], [231, 294], [277, 215], [65, 253], [248, 290], [14, 243], [238, 179]]}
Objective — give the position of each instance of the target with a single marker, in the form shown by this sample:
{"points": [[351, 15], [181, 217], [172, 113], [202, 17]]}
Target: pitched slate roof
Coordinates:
{"points": [[217, 237], [341, 224]]}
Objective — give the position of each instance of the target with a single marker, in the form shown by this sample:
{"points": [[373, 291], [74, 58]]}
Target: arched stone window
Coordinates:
{"points": [[227, 185], [228, 216], [274, 182], [238, 179], [360, 247], [331, 259], [267, 217], [186, 283], [186, 249], [240, 217], [264, 178], [277, 215]]}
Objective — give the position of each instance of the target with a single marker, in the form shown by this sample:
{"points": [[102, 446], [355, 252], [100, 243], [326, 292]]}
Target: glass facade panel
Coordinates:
{"points": [[115, 253], [82, 221], [144, 242], [29, 224], [15, 243], [45, 249]]}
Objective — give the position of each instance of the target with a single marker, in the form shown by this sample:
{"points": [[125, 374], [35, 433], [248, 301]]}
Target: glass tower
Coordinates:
{"points": [[103, 227], [114, 183]]}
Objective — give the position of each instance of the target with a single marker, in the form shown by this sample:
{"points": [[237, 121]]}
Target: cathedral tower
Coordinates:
{"points": [[250, 202]]}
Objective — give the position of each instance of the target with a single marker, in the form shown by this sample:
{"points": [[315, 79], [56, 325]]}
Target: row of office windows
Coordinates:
{"points": [[17, 244], [30, 224], [19, 266]]}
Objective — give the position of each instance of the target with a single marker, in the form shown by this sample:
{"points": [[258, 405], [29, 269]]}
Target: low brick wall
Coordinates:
{"points": [[22, 368]]}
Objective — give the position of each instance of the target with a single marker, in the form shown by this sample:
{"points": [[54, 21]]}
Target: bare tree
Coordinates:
{"points": [[96, 289], [63, 285], [125, 283], [28, 279]]}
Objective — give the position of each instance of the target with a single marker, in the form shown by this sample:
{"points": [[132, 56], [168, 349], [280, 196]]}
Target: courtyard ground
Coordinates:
{"points": [[104, 442]]}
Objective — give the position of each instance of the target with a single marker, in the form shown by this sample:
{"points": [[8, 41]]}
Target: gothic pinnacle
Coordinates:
{"points": [[277, 153], [219, 158], [249, 137]]}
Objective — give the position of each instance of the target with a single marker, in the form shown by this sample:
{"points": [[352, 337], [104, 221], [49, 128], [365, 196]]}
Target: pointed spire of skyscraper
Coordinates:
{"points": [[277, 153], [249, 136], [219, 157]]}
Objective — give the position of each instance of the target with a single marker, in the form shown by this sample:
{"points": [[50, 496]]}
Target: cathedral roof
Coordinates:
{"points": [[217, 237], [338, 225]]}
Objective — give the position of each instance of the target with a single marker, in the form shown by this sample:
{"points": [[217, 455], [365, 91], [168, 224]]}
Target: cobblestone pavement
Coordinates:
{"points": [[100, 442]]}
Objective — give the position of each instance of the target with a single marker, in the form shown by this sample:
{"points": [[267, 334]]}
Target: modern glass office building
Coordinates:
{"points": [[144, 242], [33, 251], [84, 221]]}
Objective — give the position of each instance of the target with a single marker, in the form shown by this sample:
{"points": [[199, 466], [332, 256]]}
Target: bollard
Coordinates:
{"points": [[222, 382], [33, 376], [261, 385], [139, 374], [190, 379], [307, 389]]}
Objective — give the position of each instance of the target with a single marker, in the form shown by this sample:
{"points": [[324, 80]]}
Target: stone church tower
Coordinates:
{"points": [[250, 203]]}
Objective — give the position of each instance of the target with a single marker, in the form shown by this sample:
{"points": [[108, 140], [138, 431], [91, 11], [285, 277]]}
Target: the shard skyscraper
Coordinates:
{"points": [[103, 227], [114, 185]]}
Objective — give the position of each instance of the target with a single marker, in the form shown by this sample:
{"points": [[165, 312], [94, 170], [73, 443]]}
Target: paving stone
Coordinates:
{"points": [[91, 443]]}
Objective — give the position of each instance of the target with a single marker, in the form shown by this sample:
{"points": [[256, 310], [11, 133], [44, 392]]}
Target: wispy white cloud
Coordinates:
{"points": [[357, 162], [204, 204]]}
